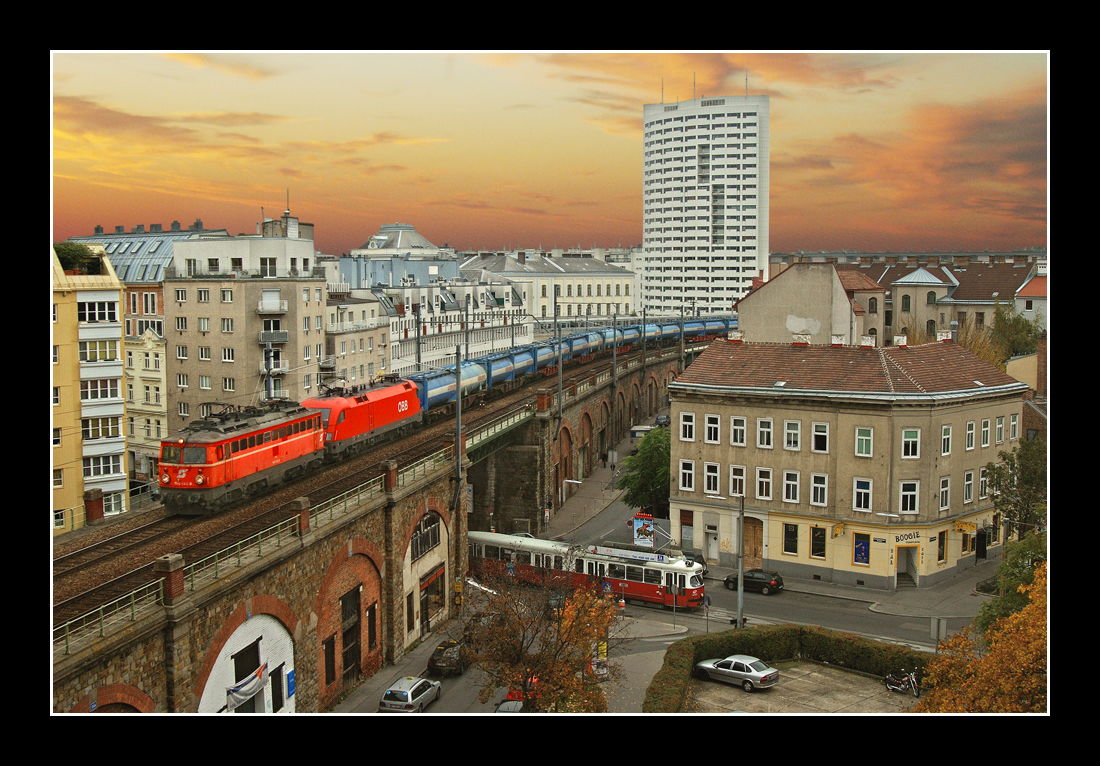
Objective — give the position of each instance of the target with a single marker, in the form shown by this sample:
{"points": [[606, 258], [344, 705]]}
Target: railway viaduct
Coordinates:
{"points": [[289, 622]]}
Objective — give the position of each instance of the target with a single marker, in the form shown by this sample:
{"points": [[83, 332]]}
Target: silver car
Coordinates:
{"points": [[747, 672], [409, 695]]}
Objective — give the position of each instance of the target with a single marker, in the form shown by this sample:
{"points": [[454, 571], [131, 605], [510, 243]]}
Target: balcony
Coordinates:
{"points": [[274, 336], [271, 307], [277, 368]]}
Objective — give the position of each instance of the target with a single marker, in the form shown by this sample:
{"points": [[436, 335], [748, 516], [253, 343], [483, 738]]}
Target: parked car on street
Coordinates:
{"points": [[449, 657], [739, 669], [663, 420], [758, 580], [409, 695], [701, 560]]}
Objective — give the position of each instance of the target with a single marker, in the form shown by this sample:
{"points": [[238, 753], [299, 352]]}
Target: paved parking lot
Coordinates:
{"points": [[803, 688]]}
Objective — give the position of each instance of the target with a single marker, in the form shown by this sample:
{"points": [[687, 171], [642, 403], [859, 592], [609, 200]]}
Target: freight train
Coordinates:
{"points": [[241, 452]]}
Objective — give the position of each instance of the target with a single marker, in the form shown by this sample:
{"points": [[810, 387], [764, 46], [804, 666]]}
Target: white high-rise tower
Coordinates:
{"points": [[705, 189]]}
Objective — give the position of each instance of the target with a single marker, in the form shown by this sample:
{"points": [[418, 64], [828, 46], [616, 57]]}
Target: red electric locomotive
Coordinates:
{"points": [[355, 420], [237, 453]]}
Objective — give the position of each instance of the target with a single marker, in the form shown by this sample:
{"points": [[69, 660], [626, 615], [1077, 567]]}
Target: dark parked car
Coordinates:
{"points": [[663, 420], [449, 657], [758, 580], [700, 559]]}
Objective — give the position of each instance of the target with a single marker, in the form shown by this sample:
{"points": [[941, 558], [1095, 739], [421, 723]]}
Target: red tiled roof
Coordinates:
{"points": [[927, 369], [979, 281], [1035, 288]]}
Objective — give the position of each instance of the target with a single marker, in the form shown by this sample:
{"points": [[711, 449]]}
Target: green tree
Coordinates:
{"points": [[1017, 569], [74, 255], [646, 474], [1018, 484], [1013, 333]]}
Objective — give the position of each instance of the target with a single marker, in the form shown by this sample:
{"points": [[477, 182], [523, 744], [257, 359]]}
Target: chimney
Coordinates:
{"points": [[801, 339], [736, 336], [837, 340], [98, 229], [867, 341], [120, 230], [175, 225], [901, 341], [522, 256]]}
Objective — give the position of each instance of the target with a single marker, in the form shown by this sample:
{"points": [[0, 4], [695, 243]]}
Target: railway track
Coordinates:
{"points": [[103, 572]]}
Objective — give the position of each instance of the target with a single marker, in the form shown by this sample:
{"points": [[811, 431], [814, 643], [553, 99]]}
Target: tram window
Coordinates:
{"points": [[492, 552], [634, 574], [523, 557], [251, 441], [616, 571], [652, 576], [559, 563], [578, 566]]}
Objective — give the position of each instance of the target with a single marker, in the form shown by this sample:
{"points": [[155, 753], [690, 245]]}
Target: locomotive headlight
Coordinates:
{"points": [[199, 479], [165, 478]]}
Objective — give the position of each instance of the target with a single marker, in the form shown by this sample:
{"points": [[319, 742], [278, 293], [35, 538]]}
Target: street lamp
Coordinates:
{"points": [[740, 558]]}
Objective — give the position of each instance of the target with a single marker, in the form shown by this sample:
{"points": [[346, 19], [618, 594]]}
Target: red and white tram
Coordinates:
{"points": [[668, 580]]}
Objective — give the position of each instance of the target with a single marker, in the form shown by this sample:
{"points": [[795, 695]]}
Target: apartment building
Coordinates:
{"points": [[705, 196], [244, 321], [820, 303], [88, 409], [856, 465]]}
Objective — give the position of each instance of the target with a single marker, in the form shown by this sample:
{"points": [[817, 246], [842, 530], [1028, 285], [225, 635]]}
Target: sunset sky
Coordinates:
{"points": [[869, 150]]}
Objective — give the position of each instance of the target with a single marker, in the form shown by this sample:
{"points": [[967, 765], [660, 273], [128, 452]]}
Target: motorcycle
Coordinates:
{"points": [[907, 681]]}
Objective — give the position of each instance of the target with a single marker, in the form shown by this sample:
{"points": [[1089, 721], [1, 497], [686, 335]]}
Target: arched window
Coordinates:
{"points": [[872, 306], [931, 297], [905, 304], [931, 327]]}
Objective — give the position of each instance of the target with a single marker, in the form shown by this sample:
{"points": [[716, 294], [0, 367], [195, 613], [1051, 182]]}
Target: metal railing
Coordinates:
{"points": [[327, 511], [237, 555], [96, 623]]}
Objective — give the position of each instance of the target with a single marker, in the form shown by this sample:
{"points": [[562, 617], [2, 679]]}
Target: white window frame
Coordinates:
{"points": [[687, 426], [968, 487], [792, 435], [969, 435], [910, 444], [712, 478], [985, 432], [945, 493], [738, 428], [737, 481], [764, 480], [1014, 427], [712, 433], [868, 441], [945, 441], [791, 482], [764, 433], [816, 430], [1000, 429], [983, 483], [858, 493], [905, 494], [819, 489], [687, 475]]}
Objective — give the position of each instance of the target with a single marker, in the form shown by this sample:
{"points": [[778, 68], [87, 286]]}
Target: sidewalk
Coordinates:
{"points": [[955, 597]]}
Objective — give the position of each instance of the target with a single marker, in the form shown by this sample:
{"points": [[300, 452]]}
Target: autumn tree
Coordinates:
{"points": [[1018, 484], [1017, 569], [541, 642], [646, 474], [1004, 671]]}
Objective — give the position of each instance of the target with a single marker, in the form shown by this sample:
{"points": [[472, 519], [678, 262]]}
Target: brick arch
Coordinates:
{"points": [[117, 694], [357, 546], [432, 504], [260, 604]]}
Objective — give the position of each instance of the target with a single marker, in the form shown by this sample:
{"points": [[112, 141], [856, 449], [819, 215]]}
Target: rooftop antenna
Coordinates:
{"points": [[693, 86], [746, 83], [662, 90]]}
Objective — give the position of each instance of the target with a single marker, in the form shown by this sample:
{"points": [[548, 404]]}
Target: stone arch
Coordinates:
{"points": [[116, 698], [356, 565]]}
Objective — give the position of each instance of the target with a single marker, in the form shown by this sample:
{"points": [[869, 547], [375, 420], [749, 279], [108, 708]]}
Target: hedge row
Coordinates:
{"points": [[774, 643]]}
